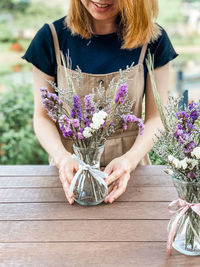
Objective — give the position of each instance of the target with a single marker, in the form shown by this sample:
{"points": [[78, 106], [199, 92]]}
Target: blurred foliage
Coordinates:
{"points": [[155, 160], [18, 143], [5, 32], [170, 12], [36, 14], [16, 16], [14, 5]]}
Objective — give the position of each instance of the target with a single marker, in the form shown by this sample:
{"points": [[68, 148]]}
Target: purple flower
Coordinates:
{"points": [[89, 105], [190, 126], [51, 103], [87, 122], [180, 135], [65, 126], [182, 114], [189, 147], [191, 175], [123, 90], [194, 105], [131, 119], [179, 126], [79, 135], [185, 125], [75, 123], [194, 115], [76, 108]]}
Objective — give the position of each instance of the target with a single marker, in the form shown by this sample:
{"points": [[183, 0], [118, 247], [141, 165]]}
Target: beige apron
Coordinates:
{"points": [[120, 142]]}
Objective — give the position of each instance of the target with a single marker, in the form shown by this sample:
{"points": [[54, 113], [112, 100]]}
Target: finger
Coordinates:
{"points": [[114, 176], [116, 194], [67, 173], [114, 189], [111, 188], [70, 199], [65, 185], [119, 190], [108, 169]]}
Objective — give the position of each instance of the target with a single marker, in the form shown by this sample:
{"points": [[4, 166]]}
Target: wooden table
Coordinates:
{"points": [[39, 228]]}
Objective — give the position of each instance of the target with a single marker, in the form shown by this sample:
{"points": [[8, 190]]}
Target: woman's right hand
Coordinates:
{"points": [[67, 168]]}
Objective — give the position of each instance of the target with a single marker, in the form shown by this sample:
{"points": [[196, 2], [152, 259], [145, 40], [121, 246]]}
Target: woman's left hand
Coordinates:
{"points": [[118, 171]]}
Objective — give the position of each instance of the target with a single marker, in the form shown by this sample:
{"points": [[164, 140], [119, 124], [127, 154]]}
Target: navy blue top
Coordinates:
{"points": [[100, 55]]}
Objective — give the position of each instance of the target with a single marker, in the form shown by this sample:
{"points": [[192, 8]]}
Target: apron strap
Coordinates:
{"points": [[142, 54], [56, 43]]}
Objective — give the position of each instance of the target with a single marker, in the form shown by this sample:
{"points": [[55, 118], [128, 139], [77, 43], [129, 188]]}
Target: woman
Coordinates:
{"points": [[103, 36]]}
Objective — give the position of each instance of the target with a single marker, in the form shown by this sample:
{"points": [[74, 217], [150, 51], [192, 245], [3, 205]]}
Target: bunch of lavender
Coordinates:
{"points": [[179, 143], [179, 146], [89, 124]]}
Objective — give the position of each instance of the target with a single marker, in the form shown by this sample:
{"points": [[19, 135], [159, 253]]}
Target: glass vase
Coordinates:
{"points": [[88, 190], [187, 235]]}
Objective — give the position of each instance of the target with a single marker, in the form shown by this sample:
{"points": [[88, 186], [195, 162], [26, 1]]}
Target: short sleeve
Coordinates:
{"points": [[162, 50], [41, 51]]}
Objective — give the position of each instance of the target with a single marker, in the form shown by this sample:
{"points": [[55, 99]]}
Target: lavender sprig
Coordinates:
{"points": [[130, 119], [76, 108], [121, 93], [89, 105], [51, 103]]}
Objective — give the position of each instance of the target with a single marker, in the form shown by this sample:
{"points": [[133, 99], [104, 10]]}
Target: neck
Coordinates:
{"points": [[102, 27]]}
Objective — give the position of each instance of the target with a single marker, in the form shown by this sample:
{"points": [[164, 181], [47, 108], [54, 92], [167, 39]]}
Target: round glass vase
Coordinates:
{"points": [[187, 236], [88, 191]]}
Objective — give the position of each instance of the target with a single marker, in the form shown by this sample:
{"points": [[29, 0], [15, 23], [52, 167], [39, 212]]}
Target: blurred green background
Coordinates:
{"points": [[19, 22]]}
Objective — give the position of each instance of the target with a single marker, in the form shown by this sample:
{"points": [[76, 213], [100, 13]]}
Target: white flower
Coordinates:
{"points": [[101, 114], [183, 163], [176, 163], [192, 163], [98, 119], [96, 125], [170, 158], [87, 132], [196, 152]]}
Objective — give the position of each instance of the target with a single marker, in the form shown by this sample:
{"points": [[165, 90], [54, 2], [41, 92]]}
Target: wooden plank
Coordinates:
{"points": [[83, 230], [151, 170], [27, 170], [57, 194], [30, 170], [117, 210], [100, 254], [54, 181], [29, 181], [153, 180]]}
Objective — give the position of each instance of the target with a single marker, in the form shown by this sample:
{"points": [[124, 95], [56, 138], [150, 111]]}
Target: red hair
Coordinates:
{"points": [[136, 22]]}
